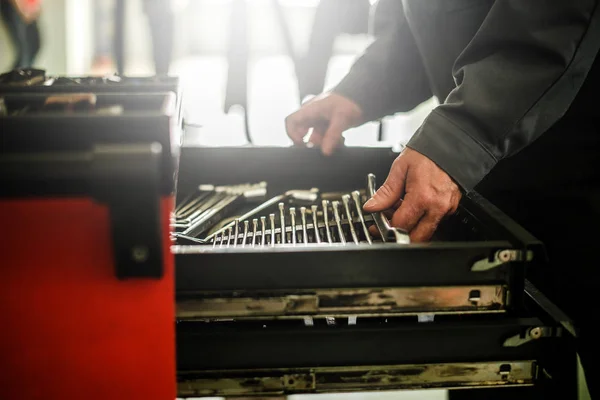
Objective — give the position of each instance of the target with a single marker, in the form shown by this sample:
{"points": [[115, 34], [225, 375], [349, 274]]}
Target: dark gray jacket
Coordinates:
{"points": [[503, 71]]}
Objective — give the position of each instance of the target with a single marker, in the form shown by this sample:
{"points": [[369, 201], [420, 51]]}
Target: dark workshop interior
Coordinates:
{"points": [[299, 199]]}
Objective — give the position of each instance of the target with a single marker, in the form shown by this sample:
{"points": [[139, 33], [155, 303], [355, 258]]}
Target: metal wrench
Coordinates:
{"points": [[197, 210], [228, 237], [336, 214], [272, 219], [346, 201], [254, 226], [314, 209], [263, 221], [190, 201], [293, 222], [300, 195], [237, 227], [304, 234], [326, 218], [213, 215], [246, 223], [361, 217], [282, 220]]}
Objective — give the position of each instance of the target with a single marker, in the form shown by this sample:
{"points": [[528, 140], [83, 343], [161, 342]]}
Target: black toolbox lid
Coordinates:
{"points": [[50, 141]]}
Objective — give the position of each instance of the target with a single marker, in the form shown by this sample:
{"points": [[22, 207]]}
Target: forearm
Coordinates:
{"points": [[517, 77], [389, 77]]}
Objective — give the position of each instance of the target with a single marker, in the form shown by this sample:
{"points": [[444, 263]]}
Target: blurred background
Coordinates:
{"points": [[232, 56]]}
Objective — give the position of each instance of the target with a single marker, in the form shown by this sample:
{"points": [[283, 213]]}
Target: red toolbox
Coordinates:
{"points": [[87, 288]]}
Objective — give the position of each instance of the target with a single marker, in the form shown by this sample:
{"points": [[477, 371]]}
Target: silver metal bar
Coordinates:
{"points": [[282, 221], [361, 217], [246, 223], [254, 226], [314, 210], [326, 218], [237, 228], [263, 222], [336, 214], [388, 233], [293, 222], [346, 201], [228, 237], [222, 238], [304, 234], [272, 219]]}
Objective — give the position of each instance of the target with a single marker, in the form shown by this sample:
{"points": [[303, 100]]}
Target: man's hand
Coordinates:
{"points": [[419, 193], [329, 115]]}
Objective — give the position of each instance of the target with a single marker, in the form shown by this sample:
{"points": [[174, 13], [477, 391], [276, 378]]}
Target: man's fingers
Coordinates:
{"points": [[425, 228], [392, 190], [298, 123], [332, 138], [316, 137], [409, 213], [374, 231]]}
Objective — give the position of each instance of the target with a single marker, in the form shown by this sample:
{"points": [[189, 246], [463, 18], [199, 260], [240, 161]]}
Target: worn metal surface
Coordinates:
{"points": [[338, 379], [346, 302]]}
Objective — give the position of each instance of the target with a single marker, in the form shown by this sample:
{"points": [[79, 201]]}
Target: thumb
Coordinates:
{"points": [[391, 191]]}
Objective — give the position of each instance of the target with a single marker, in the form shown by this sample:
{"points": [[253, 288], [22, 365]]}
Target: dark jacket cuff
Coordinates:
{"points": [[453, 150]]}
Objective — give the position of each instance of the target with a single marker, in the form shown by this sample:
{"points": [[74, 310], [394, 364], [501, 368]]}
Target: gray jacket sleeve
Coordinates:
{"points": [[389, 77], [515, 79]]}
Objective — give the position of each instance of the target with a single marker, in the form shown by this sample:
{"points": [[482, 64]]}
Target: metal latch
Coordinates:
{"points": [[535, 333], [501, 257], [126, 177]]}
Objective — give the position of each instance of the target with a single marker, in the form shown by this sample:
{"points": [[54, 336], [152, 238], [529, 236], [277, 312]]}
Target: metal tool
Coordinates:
{"points": [[254, 226], [314, 210], [326, 218], [193, 199], [361, 217], [237, 227], [293, 222], [308, 196], [200, 207], [246, 223], [210, 195], [199, 216], [304, 233], [229, 231], [213, 215], [346, 201], [338, 221], [388, 233], [272, 219], [263, 221], [282, 221]]}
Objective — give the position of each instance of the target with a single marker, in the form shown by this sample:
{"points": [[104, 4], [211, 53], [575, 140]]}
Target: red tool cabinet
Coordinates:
{"points": [[86, 284]]}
